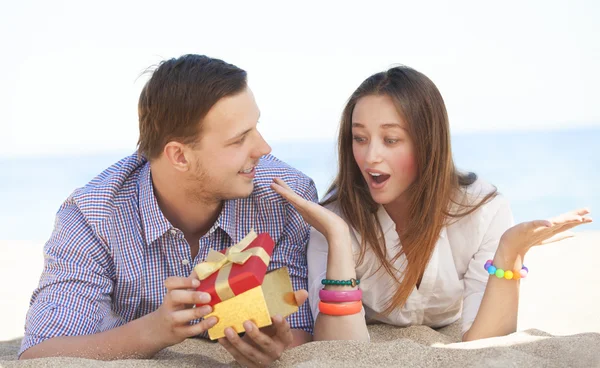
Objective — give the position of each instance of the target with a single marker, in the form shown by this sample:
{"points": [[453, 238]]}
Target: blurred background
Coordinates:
{"points": [[520, 80]]}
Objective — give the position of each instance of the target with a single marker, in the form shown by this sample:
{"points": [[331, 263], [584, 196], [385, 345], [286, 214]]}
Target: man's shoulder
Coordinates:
{"points": [[271, 167], [116, 185]]}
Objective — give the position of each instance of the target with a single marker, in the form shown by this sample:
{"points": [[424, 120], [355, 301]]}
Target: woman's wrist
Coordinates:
{"points": [[507, 258]]}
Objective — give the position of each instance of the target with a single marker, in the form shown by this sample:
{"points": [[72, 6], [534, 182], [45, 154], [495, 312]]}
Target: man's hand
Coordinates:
{"points": [[171, 321], [261, 347]]}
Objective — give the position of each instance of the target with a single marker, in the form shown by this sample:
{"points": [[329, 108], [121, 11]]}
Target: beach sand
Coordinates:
{"points": [[559, 323]]}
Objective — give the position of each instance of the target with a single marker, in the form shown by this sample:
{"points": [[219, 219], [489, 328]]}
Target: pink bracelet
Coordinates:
{"points": [[334, 296]]}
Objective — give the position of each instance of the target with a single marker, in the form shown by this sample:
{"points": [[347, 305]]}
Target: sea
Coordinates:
{"points": [[542, 173]]}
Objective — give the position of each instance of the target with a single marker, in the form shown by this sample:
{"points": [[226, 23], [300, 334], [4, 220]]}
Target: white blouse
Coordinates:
{"points": [[454, 279]]}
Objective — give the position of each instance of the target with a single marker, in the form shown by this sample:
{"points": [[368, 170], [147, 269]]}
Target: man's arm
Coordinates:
{"points": [[73, 298]]}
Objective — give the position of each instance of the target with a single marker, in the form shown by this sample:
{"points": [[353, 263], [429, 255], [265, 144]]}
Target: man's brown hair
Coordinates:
{"points": [[178, 96]]}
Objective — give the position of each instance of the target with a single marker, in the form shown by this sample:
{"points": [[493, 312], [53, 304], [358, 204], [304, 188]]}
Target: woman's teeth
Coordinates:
{"points": [[248, 171], [379, 178]]}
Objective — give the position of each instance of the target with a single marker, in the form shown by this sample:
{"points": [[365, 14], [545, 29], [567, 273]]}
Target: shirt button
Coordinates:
{"points": [[185, 262], [173, 232]]}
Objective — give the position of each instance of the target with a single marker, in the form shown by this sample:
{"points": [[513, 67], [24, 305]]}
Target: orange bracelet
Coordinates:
{"points": [[340, 309]]}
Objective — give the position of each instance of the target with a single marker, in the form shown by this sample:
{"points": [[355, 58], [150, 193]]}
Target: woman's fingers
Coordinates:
{"points": [[572, 216], [281, 188], [558, 237]]}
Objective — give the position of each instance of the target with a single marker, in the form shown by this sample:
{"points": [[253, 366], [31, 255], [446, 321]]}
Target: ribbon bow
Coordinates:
{"points": [[235, 254]]}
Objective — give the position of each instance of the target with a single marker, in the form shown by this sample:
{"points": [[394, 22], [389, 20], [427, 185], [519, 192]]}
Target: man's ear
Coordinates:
{"points": [[175, 152]]}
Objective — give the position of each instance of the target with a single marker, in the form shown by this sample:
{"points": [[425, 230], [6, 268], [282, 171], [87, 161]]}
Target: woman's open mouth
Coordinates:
{"points": [[377, 180]]}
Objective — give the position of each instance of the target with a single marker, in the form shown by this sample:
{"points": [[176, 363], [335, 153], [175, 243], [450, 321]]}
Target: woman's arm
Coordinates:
{"points": [[340, 266], [497, 314], [333, 240]]}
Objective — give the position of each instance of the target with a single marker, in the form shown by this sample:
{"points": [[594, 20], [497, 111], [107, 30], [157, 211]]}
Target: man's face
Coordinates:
{"points": [[228, 150]]}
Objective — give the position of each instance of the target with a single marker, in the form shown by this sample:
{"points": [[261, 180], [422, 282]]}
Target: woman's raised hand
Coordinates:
{"points": [[521, 237], [319, 217]]}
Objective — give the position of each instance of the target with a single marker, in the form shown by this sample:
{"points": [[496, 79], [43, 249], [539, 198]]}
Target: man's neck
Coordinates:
{"points": [[194, 218]]}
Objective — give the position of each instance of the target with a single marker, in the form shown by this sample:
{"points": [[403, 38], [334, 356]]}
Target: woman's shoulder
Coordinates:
{"points": [[491, 206]]}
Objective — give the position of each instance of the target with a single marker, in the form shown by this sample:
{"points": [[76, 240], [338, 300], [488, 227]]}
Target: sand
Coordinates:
{"points": [[559, 323]]}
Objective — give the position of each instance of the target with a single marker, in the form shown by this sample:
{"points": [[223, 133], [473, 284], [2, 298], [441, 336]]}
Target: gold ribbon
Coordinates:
{"points": [[217, 261]]}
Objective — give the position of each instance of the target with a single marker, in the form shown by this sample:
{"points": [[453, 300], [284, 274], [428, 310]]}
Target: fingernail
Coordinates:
{"points": [[212, 321], [248, 326], [277, 318], [229, 332], [195, 283], [204, 297]]}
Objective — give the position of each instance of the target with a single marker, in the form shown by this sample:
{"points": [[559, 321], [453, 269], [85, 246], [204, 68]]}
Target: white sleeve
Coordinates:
{"points": [[497, 220], [317, 268]]}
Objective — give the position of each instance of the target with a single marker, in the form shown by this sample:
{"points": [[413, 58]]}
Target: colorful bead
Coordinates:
{"points": [[523, 273], [508, 274], [487, 264], [351, 282]]}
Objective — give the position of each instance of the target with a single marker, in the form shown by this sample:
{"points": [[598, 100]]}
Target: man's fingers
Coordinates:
{"points": [[301, 296], [284, 331], [188, 297], [173, 283], [201, 327], [263, 341], [248, 351], [186, 315]]}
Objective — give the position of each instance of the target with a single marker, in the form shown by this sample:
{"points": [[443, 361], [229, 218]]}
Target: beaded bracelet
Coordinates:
{"points": [[352, 282], [508, 274], [340, 309]]}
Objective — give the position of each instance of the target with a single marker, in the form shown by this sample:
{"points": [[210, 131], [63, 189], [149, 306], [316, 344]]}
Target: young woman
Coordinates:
{"points": [[413, 230]]}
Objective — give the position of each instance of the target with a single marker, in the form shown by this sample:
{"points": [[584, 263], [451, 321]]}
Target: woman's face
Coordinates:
{"points": [[382, 148]]}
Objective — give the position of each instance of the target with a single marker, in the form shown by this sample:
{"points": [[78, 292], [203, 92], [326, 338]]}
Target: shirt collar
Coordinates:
{"points": [[228, 220], [387, 224], [154, 223]]}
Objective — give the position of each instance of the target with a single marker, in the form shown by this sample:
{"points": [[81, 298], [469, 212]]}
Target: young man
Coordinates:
{"points": [[118, 274]]}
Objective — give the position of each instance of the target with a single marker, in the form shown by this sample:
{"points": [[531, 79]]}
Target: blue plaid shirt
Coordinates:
{"points": [[112, 249]]}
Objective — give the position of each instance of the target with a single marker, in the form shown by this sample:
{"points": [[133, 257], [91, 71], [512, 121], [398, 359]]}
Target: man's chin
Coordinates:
{"points": [[242, 192]]}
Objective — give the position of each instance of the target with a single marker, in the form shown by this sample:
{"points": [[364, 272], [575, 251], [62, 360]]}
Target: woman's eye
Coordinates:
{"points": [[358, 139], [241, 140], [391, 140]]}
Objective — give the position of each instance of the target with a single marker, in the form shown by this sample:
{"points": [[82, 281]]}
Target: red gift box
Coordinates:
{"points": [[236, 269]]}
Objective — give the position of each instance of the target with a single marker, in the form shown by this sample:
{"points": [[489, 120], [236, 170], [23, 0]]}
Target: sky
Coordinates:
{"points": [[71, 71]]}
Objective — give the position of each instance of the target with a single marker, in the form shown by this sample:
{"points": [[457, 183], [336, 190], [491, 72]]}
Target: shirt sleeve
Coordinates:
{"points": [[73, 295], [318, 250], [291, 252], [496, 221]]}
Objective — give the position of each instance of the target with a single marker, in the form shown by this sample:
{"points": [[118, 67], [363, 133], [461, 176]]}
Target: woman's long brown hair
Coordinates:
{"points": [[435, 198]]}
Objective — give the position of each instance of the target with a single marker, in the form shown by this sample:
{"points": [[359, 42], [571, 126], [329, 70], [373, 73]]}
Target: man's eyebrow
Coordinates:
{"points": [[239, 135]]}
